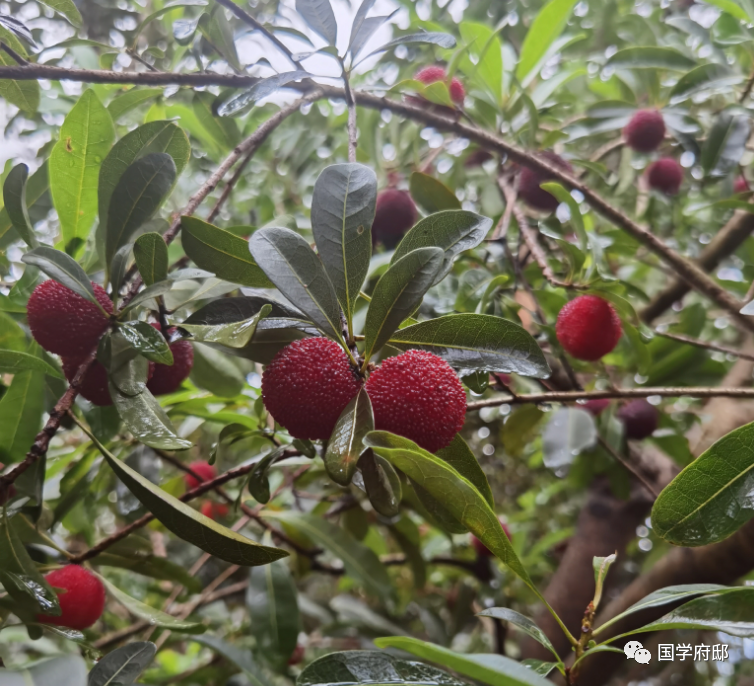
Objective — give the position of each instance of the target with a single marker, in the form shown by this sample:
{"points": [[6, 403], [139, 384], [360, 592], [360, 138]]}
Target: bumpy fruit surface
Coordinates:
{"points": [[588, 327], [436, 73], [214, 510], [481, 549], [645, 131], [640, 419], [529, 187], [595, 407], [201, 468], [307, 385], [83, 602], [168, 378], [63, 322], [741, 185], [417, 395], [395, 214], [94, 387], [665, 175]]}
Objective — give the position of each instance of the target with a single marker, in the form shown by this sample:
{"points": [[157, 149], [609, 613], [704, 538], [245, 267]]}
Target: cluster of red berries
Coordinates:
{"points": [[645, 133], [66, 324], [416, 394], [435, 73]]}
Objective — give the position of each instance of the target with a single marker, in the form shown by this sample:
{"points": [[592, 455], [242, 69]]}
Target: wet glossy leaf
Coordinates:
{"points": [[382, 484], [725, 143], [459, 456], [264, 88], [13, 362], [476, 342], [569, 431], [137, 195], [237, 309], [151, 255], [186, 523], [85, 139], [357, 667], [295, 269], [21, 408], [711, 498], [123, 666], [528, 626], [234, 335], [346, 446], [318, 14], [221, 252], [491, 669], [148, 341], [398, 293], [360, 562], [431, 194], [546, 27], [66, 669], [14, 197], [259, 483], [453, 230], [443, 40], [651, 57], [343, 206]]}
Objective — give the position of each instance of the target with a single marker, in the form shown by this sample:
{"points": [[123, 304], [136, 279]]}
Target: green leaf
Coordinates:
{"points": [[234, 335], [457, 494], [36, 187], [732, 8], [243, 659], [67, 9], [123, 103], [710, 499], [459, 456], [528, 626], [709, 75], [151, 566], [725, 144], [220, 33], [569, 431], [192, 526], [23, 94], [151, 255], [216, 372], [271, 598], [452, 230], [443, 40], [651, 57], [156, 136], [398, 293], [163, 11], [261, 89], [382, 484], [259, 482], [577, 221], [476, 342], [362, 667], [152, 615], [67, 669], [123, 666], [85, 139], [486, 50], [343, 206], [137, 195], [346, 445], [431, 194], [408, 537], [224, 131], [221, 252], [147, 341], [491, 669], [21, 408], [290, 263], [14, 197], [360, 562], [546, 27], [64, 269], [319, 16], [13, 362]]}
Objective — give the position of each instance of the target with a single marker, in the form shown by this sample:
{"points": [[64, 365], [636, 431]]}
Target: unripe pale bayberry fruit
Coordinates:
{"points": [[83, 602], [481, 549], [529, 186], [595, 407], [665, 175], [63, 322], [296, 656], [205, 470], [395, 213], [588, 327], [168, 378], [214, 510], [417, 395], [645, 131], [640, 419], [94, 387], [436, 73], [741, 185], [307, 385]]}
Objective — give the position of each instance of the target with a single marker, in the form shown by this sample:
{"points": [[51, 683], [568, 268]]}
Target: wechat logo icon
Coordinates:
{"points": [[635, 651]]}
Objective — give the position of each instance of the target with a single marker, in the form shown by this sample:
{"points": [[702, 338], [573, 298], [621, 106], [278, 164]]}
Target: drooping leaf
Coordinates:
{"points": [[36, 187], [123, 666], [259, 482], [343, 207], [14, 197], [459, 456], [569, 431], [85, 139], [221, 252], [476, 342], [651, 57], [431, 194], [528, 626], [710, 499], [23, 94], [318, 14], [21, 408], [151, 255], [382, 484], [67, 8], [443, 40], [398, 293], [224, 132], [262, 89], [546, 27], [14, 361], [346, 446], [709, 75], [220, 32]]}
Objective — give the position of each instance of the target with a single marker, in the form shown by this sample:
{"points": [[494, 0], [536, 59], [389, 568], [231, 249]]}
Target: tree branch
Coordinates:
{"points": [[706, 345]]}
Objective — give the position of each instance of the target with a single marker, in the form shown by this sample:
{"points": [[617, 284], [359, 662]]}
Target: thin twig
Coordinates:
{"points": [[630, 467], [351, 104], [704, 344]]}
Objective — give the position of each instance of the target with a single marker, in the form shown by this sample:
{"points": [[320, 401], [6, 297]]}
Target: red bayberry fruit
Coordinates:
{"points": [[205, 470], [63, 322], [307, 385], [640, 419], [83, 602], [168, 378], [588, 327], [665, 175], [531, 180], [214, 510], [741, 185], [297, 655], [417, 395], [395, 214], [596, 407], [94, 387], [481, 549], [645, 131], [436, 73]]}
